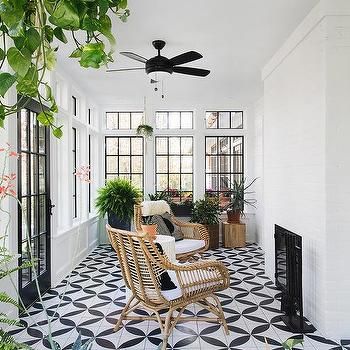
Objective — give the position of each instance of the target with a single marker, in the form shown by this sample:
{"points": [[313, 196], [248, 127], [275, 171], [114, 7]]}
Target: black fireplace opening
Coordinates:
{"points": [[288, 275]]}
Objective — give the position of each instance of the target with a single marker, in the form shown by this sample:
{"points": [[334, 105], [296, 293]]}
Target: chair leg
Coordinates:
{"points": [[167, 328], [221, 312], [123, 314]]}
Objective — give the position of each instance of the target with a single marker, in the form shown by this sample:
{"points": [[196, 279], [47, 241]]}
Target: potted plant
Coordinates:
{"points": [[148, 226], [164, 195], [117, 199], [144, 130], [237, 199], [183, 208], [206, 212]]}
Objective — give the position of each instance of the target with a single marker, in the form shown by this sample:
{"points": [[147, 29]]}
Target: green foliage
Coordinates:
{"points": [[160, 196], [27, 32], [291, 342], [238, 195], [206, 211], [144, 130], [8, 343], [118, 196]]}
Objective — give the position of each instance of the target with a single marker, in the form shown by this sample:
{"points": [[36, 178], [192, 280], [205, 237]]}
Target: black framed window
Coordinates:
{"points": [[75, 106], [124, 158], [174, 120], [89, 164], [224, 120], [123, 120], [174, 166], [74, 165], [89, 116], [224, 163]]}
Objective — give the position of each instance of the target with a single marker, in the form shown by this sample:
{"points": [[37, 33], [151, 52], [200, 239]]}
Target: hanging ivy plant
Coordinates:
{"points": [[144, 130], [28, 33]]}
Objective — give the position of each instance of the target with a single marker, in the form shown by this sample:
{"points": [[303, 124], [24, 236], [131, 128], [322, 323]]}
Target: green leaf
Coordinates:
{"points": [[6, 81], [50, 59], [123, 4], [16, 29], [59, 34], [2, 54], [54, 107], [12, 12], [46, 118], [28, 86], [18, 61], [76, 53], [93, 55], [65, 15], [103, 7], [33, 39], [48, 33], [90, 24], [57, 132], [2, 116], [291, 342]]}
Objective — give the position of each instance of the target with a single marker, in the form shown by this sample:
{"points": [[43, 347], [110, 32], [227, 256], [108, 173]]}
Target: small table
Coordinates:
{"points": [[168, 245], [233, 235]]}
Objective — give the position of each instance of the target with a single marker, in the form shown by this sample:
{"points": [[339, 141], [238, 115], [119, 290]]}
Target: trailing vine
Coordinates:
{"points": [[30, 31]]}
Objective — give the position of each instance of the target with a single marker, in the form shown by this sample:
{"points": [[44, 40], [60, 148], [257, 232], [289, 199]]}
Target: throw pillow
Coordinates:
{"points": [[165, 281], [175, 230]]}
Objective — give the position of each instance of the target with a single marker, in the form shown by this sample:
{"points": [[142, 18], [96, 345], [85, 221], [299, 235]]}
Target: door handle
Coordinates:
{"points": [[51, 206]]}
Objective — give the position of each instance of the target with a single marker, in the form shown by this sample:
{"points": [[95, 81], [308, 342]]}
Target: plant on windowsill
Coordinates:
{"points": [[30, 31], [238, 193], [206, 212], [183, 208], [164, 195], [117, 199], [145, 130]]}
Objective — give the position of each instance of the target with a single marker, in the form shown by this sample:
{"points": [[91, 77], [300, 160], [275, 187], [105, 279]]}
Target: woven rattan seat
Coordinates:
{"points": [[142, 264]]}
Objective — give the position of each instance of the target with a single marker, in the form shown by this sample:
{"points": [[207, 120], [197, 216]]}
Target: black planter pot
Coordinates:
{"points": [[115, 222]]}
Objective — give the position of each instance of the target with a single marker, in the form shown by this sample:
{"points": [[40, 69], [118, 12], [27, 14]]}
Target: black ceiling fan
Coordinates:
{"points": [[162, 64]]}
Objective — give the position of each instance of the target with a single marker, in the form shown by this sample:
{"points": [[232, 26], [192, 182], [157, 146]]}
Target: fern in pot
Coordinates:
{"points": [[206, 212], [117, 199]]}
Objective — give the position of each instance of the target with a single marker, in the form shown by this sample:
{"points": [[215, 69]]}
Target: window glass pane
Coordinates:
{"points": [[212, 120], [124, 145], [112, 165], [136, 119], [136, 146], [136, 164], [42, 213], [124, 164], [211, 147], [211, 164], [237, 120], [174, 182], [186, 120], [161, 120], [186, 164], [186, 182], [224, 120], [34, 216], [174, 120], [124, 120], [174, 145], [162, 182], [162, 145], [237, 164], [224, 164], [236, 145], [162, 164], [174, 164], [136, 179], [25, 173], [111, 120], [223, 145], [42, 185], [42, 254], [186, 145], [211, 182], [24, 129], [33, 173], [112, 145], [33, 132]]}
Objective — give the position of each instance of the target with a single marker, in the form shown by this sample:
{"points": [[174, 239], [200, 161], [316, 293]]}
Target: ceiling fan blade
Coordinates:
{"points": [[123, 69], [134, 56], [185, 58], [191, 71]]}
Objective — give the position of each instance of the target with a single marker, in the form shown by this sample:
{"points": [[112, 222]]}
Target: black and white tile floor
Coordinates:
{"points": [[95, 296]]}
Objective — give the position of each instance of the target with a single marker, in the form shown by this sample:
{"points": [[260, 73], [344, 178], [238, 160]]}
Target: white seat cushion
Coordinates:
{"points": [[188, 245]]}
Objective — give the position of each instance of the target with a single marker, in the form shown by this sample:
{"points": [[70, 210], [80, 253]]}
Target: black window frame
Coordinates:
{"points": [[118, 121], [75, 106], [174, 173], [167, 113], [217, 154], [118, 173], [218, 120], [89, 116], [89, 174]]}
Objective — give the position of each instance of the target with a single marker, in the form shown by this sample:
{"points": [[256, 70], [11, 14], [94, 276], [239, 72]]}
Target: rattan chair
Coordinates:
{"points": [[142, 265], [190, 230]]}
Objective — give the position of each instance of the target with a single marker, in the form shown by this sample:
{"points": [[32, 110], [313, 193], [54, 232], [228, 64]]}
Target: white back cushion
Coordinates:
{"points": [[154, 207]]}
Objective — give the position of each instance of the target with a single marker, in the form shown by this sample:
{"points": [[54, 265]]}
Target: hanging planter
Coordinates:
{"points": [[145, 130]]}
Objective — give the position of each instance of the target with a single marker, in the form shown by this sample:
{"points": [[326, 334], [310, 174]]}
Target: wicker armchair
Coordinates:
{"points": [[191, 231], [142, 264]]}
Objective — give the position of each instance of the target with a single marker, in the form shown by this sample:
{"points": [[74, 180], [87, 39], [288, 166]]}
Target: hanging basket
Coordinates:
{"points": [[145, 131]]}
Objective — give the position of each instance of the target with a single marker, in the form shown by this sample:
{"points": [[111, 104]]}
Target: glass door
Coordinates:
{"points": [[34, 194]]}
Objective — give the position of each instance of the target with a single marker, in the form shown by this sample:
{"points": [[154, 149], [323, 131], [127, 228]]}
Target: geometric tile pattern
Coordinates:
{"points": [[90, 301]]}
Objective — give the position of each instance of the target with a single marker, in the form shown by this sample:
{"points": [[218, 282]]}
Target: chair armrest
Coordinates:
{"points": [[192, 230]]}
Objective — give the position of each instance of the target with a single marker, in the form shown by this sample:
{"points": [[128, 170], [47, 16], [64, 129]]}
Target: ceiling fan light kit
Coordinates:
{"points": [[161, 64]]}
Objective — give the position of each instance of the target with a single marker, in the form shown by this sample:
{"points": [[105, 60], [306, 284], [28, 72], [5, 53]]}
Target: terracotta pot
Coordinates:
{"points": [[151, 230], [233, 216]]}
